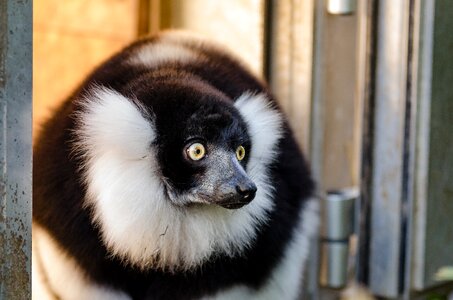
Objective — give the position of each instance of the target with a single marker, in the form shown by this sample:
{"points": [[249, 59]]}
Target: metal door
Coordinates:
{"points": [[404, 65]]}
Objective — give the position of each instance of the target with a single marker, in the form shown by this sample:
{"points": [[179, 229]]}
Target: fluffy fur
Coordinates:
{"points": [[122, 175], [116, 200]]}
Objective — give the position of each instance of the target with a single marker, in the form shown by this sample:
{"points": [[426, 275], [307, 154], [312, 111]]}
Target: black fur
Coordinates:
{"points": [[59, 192]]}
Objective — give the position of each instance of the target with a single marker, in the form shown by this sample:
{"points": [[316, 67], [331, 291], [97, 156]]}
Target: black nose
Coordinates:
{"points": [[246, 191]]}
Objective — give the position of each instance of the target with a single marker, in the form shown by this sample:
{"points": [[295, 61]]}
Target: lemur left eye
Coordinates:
{"points": [[240, 153], [196, 151]]}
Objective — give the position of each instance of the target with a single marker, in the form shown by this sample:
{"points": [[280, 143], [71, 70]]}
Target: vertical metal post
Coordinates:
{"points": [[315, 141], [366, 50], [15, 148], [389, 142], [422, 92]]}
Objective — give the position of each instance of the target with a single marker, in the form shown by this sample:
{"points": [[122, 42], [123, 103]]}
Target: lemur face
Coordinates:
{"points": [[202, 146]]}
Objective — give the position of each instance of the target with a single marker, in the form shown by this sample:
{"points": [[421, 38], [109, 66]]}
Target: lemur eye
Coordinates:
{"points": [[196, 151], [240, 153]]}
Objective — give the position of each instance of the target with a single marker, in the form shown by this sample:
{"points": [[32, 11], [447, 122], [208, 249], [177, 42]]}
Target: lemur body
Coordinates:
{"points": [[170, 174]]}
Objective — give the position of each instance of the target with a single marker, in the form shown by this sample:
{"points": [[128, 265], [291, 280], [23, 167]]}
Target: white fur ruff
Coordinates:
{"points": [[57, 276], [69, 282], [286, 280], [137, 221]]}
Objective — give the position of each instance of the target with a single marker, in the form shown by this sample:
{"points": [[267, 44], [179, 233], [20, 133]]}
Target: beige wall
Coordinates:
{"points": [[70, 38], [237, 24], [291, 63]]}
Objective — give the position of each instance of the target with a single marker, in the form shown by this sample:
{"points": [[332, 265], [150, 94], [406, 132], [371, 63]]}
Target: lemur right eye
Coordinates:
{"points": [[196, 151]]}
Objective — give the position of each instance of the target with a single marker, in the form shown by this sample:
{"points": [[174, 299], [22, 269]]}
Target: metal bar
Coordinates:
{"points": [[417, 69], [367, 32], [389, 142], [15, 150], [317, 111], [423, 96], [2, 42]]}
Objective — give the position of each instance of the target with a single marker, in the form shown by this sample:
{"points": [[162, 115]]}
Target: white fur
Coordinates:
{"points": [[285, 281], [54, 272], [137, 221], [40, 289], [265, 128], [169, 47], [157, 53], [176, 46]]}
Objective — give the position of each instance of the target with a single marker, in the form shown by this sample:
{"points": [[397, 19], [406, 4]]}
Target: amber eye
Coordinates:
{"points": [[196, 151], [240, 153]]}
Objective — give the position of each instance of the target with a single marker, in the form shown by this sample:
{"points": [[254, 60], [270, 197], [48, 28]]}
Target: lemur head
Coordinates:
{"points": [[174, 170]]}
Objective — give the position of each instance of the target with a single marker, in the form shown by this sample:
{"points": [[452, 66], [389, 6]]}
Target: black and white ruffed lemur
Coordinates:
{"points": [[170, 173]]}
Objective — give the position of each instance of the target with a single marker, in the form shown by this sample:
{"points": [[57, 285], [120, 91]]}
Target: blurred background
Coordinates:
{"points": [[72, 37], [365, 84]]}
